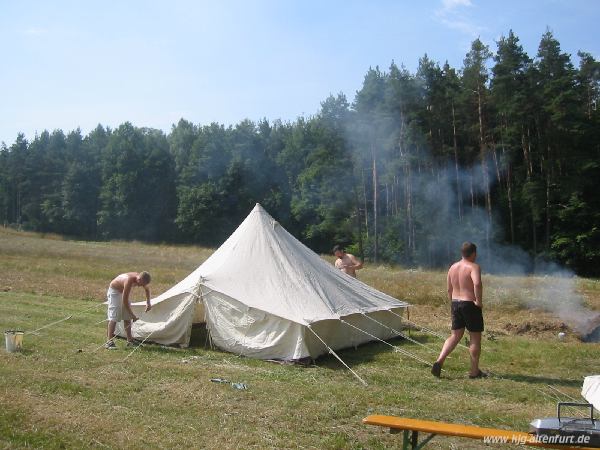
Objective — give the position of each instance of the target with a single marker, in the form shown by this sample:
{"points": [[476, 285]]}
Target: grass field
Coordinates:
{"points": [[63, 391]]}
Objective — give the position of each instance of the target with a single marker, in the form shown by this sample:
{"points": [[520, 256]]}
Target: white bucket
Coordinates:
{"points": [[14, 341]]}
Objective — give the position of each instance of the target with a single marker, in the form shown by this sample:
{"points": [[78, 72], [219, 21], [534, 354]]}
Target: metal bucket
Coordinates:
{"points": [[14, 341]]}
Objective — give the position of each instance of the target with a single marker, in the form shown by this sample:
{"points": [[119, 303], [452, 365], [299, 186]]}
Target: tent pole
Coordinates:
{"points": [[398, 349], [335, 354], [199, 298]]}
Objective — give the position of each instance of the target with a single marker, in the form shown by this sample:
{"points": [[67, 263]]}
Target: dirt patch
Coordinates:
{"points": [[535, 328]]}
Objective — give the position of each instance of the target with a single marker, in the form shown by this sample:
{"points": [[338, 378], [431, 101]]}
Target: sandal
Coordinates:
{"points": [[436, 369], [481, 374]]}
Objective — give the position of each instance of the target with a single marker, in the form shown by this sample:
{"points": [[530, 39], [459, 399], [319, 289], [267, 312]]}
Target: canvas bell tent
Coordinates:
{"points": [[263, 294]]}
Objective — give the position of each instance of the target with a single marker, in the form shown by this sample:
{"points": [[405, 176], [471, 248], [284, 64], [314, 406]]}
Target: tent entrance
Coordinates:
{"points": [[200, 336]]}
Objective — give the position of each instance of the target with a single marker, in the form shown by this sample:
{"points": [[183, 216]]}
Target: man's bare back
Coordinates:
{"points": [[464, 279], [119, 281], [124, 282]]}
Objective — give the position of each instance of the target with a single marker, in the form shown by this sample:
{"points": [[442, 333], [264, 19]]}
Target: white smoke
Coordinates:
{"points": [[535, 283]]}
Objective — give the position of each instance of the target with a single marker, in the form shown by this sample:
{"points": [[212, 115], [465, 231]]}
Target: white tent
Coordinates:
{"points": [[263, 294], [591, 390]]}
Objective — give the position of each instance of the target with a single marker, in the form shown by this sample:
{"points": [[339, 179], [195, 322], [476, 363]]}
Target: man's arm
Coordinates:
{"points": [[126, 291], [477, 285], [357, 262], [449, 284], [148, 305]]}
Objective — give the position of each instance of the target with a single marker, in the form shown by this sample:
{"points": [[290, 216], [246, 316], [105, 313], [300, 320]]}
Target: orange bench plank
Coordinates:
{"points": [[466, 431]]}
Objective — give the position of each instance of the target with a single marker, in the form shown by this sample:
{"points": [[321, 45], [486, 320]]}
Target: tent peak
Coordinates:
{"points": [[258, 208]]}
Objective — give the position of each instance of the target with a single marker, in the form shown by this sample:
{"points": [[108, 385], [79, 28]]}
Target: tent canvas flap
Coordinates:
{"points": [[591, 390]]}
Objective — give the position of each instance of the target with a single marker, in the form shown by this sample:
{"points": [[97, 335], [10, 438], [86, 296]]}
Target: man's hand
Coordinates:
{"points": [[478, 304]]}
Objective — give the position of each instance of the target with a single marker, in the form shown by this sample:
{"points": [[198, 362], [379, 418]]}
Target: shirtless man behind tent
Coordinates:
{"points": [[465, 291], [346, 262], [119, 306]]}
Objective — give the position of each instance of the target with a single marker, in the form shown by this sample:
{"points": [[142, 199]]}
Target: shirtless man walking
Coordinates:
{"points": [[465, 291], [346, 262], [119, 306]]}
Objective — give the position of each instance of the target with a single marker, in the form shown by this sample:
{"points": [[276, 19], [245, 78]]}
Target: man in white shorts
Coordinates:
{"points": [[119, 306]]}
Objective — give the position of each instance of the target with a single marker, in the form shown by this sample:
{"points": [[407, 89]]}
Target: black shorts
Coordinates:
{"points": [[465, 314]]}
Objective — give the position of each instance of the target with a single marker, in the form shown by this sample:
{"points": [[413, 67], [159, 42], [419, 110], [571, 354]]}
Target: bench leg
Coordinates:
{"points": [[414, 440], [410, 439], [406, 440], [424, 442]]}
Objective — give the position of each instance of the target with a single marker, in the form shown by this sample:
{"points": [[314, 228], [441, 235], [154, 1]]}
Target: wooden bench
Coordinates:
{"points": [[412, 427]]}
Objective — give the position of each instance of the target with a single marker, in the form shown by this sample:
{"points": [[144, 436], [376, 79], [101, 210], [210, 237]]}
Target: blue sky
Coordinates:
{"points": [[69, 64]]}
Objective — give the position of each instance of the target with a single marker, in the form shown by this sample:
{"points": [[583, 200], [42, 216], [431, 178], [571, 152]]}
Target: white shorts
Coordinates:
{"points": [[116, 312]]}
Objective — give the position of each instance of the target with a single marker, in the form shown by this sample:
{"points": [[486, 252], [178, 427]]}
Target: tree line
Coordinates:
{"points": [[504, 150]]}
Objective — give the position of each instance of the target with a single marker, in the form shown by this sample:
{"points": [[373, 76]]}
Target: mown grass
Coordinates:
{"points": [[63, 391]]}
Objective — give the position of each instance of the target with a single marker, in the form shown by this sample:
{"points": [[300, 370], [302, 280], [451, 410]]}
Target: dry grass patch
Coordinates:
{"points": [[82, 270]]}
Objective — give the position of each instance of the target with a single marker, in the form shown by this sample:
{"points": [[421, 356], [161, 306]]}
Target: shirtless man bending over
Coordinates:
{"points": [[465, 291], [119, 306], [346, 262]]}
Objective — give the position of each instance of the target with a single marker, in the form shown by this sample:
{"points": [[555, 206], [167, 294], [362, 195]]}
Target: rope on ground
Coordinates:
{"points": [[562, 393], [579, 413], [552, 396], [336, 355], [99, 347], [556, 398], [64, 319], [399, 350], [48, 325], [139, 345], [427, 330], [399, 333], [434, 333]]}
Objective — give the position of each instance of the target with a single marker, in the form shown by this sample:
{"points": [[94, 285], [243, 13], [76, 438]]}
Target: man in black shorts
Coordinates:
{"points": [[465, 291]]}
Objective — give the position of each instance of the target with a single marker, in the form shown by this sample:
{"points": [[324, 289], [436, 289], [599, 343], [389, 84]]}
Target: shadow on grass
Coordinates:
{"points": [[198, 341], [367, 352], [531, 379], [25, 351], [150, 347]]}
